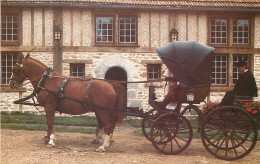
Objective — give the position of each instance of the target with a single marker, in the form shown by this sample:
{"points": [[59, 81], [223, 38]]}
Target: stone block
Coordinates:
{"points": [[131, 95], [135, 103]]}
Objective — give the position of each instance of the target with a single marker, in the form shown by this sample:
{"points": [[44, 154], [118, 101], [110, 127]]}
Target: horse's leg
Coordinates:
{"points": [[106, 143], [99, 130], [108, 129], [113, 125], [50, 120]]}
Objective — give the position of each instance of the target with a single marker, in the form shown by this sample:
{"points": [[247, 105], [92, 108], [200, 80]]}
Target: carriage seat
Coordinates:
{"points": [[243, 98]]}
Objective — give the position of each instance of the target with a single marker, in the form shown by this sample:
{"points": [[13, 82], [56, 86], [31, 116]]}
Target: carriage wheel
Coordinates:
{"points": [[171, 133], [194, 113], [229, 133], [147, 122], [188, 111]]}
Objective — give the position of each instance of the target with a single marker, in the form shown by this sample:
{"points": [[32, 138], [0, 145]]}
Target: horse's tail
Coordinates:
{"points": [[121, 101]]}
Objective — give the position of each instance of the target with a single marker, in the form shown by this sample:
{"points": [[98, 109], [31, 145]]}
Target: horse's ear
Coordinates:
{"points": [[20, 58], [27, 56]]}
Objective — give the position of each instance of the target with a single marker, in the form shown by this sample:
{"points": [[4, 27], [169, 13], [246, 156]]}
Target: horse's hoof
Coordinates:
{"points": [[95, 141], [111, 142], [50, 146], [101, 149], [45, 140]]}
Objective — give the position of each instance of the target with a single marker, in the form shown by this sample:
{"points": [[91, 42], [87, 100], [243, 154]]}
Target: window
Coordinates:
{"points": [[127, 30], [219, 74], [237, 58], [122, 31], [218, 31], [230, 36], [9, 28], [8, 60], [240, 32], [104, 29], [153, 71], [77, 69]]}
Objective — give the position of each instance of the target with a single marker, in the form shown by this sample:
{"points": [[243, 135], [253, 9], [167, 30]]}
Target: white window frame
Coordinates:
{"points": [[218, 31], [78, 72], [127, 30], [220, 70], [8, 60], [154, 71], [241, 33]]}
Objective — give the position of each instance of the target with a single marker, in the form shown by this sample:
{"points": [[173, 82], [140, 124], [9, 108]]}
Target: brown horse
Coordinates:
{"points": [[78, 96]]}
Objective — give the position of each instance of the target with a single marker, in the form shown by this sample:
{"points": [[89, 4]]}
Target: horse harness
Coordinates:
{"points": [[59, 94]]}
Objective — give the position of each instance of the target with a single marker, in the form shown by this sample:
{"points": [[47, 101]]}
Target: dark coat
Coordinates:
{"points": [[246, 85]]}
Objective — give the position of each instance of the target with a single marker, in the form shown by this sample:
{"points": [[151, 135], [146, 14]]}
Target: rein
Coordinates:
{"points": [[111, 81], [59, 94], [30, 81], [40, 84]]}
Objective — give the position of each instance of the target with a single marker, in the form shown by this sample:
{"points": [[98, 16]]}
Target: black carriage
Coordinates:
{"points": [[227, 132]]}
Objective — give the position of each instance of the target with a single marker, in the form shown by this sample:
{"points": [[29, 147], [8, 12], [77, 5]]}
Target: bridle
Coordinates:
{"points": [[18, 68]]}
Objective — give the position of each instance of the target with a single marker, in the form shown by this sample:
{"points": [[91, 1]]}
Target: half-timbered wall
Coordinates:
{"points": [[78, 46]]}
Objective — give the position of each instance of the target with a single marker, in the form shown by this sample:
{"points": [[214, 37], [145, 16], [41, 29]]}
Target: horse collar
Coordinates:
{"points": [[43, 78], [47, 71]]}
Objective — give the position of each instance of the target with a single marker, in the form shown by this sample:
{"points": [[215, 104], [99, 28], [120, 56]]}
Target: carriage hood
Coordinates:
{"points": [[189, 61]]}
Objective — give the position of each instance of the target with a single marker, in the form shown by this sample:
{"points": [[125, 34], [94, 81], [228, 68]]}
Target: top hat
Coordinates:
{"points": [[241, 64]]}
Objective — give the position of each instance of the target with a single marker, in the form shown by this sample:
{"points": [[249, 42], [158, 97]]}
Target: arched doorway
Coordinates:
{"points": [[117, 73]]}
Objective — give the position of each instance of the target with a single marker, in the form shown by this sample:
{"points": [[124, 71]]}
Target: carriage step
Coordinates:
{"points": [[243, 98], [133, 111]]}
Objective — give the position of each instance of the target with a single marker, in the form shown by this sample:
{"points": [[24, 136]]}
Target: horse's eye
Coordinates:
{"points": [[15, 70]]}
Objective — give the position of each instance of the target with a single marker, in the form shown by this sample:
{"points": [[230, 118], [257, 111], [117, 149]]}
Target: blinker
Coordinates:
{"points": [[17, 68]]}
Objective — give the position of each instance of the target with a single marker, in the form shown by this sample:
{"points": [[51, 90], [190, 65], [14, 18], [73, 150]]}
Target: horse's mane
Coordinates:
{"points": [[37, 61]]}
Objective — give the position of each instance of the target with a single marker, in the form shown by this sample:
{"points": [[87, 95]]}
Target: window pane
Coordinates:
{"points": [[8, 60], [219, 74], [153, 71], [104, 28], [240, 32], [9, 28], [127, 28], [236, 59], [218, 31], [77, 69]]}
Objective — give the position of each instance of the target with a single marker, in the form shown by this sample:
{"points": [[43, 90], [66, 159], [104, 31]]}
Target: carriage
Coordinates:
{"points": [[227, 132]]}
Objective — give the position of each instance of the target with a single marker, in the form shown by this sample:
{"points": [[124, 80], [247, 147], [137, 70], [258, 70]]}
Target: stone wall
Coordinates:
{"points": [[7, 98], [137, 93]]}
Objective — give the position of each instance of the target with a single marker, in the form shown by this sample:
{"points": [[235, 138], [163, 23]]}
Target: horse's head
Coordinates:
{"points": [[18, 74]]}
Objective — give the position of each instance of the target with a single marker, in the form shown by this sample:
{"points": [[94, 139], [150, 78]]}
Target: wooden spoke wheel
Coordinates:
{"points": [[191, 110], [147, 122], [229, 133], [194, 114], [171, 133]]}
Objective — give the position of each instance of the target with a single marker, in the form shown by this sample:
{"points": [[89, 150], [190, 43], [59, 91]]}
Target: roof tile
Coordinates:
{"points": [[180, 3]]}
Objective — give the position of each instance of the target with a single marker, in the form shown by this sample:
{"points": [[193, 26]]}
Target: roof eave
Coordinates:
{"points": [[123, 6]]}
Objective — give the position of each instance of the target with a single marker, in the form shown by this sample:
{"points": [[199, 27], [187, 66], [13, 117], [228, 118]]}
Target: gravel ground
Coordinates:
{"points": [[22, 147]]}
